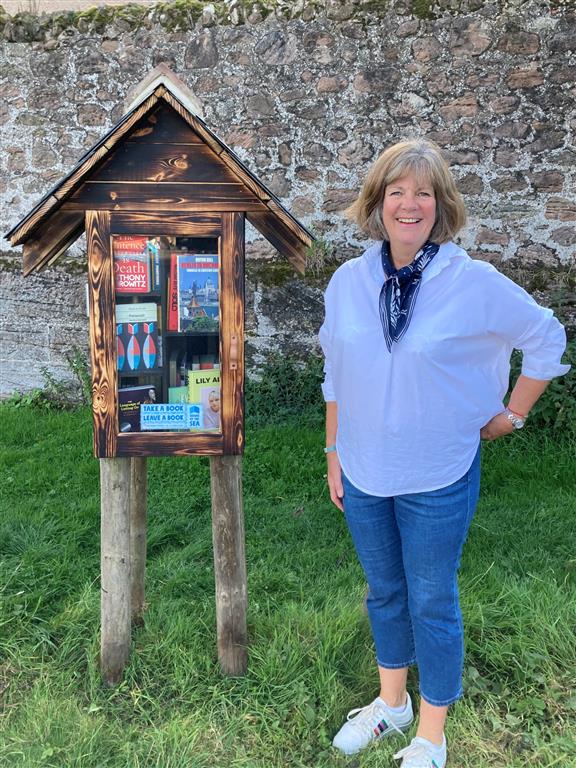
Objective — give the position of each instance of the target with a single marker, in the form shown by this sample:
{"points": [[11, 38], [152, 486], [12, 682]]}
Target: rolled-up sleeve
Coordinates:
{"points": [[527, 326]]}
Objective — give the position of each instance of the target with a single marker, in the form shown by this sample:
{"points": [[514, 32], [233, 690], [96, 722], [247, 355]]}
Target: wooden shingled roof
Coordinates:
{"points": [[58, 219]]}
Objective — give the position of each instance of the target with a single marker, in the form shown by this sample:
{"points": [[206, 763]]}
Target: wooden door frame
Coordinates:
{"points": [[108, 441]]}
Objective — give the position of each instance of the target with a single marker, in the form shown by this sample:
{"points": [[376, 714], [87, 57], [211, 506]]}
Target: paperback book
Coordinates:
{"points": [[198, 291], [138, 344], [130, 400], [204, 388], [132, 267]]}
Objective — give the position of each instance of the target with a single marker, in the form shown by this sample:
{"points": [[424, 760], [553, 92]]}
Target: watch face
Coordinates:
{"points": [[516, 421]]}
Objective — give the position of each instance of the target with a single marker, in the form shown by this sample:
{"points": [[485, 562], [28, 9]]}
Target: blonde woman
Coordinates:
{"points": [[417, 339]]}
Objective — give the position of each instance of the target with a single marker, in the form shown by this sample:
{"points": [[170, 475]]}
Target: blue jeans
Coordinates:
{"points": [[409, 547]]}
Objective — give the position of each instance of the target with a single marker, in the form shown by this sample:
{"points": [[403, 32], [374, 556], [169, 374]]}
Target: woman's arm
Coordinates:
{"points": [[522, 399], [334, 473]]}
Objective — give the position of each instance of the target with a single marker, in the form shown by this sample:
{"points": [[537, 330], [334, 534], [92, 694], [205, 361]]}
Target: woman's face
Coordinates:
{"points": [[214, 401], [409, 214]]}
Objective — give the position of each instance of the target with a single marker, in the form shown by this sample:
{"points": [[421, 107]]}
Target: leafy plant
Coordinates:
{"points": [[556, 409], [287, 391]]}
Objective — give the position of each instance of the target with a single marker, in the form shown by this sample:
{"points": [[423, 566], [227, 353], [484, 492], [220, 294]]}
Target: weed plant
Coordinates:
{"points": [[310, 655]]}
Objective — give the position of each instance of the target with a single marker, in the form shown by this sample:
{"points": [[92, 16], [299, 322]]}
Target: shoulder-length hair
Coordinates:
{"points": [[423, 159]]}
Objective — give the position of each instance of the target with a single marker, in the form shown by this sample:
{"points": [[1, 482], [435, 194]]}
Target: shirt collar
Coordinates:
{"points": [[446, 253]]}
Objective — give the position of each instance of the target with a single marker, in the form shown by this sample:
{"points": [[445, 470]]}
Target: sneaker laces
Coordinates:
{"points": [[365, 718], [416, 750]]}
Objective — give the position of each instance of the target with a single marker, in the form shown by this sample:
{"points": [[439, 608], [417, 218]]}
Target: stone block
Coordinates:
{"points": [[528, 77], [338, 199], [464, 106], [564, 236], [547, 181], [487, 236], [426, 49], [469, 38], [513, 182], [519, 42], [471, 184], [560, 209], [508, 158]]}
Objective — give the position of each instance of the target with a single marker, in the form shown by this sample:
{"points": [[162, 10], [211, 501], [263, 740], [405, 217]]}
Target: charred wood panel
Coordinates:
{"points": [[163, 163], [102, 332], [169, 444], [163, 125], [197, 225], [168, 198], [57, 234]]}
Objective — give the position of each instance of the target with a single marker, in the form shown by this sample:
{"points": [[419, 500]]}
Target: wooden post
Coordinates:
{"points": [[229, 563], [115, 567], [138, 510]]}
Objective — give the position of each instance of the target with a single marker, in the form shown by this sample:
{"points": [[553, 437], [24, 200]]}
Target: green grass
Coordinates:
{"points": [[311, 657]]}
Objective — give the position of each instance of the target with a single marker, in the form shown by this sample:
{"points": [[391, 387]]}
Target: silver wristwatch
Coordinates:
{"points": [[516, 421]]}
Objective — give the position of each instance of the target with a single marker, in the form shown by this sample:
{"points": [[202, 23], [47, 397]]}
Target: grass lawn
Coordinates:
{"points": [[310, 655]]}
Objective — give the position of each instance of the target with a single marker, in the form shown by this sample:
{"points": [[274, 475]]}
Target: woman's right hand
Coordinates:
{"points": [[334, 476]]}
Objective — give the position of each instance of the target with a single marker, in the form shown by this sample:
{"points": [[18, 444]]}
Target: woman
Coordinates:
{"points": [[417, 340]]}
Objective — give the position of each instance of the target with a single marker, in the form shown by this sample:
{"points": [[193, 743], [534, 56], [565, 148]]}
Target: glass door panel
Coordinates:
{"points": [[167, 292]]}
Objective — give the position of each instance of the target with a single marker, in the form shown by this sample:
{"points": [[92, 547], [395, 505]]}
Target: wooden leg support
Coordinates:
{"points": [[229, 563], [138, 509], [115, 568]]}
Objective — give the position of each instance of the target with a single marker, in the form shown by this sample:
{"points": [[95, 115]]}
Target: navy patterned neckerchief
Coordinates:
{"points": [[400, 289]]}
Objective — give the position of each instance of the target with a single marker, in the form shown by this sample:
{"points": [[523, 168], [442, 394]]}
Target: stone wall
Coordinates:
{"points": [[307, 93]]}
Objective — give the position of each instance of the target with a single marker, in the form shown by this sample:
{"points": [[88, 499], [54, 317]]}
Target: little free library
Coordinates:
{"points": [[163, 202]]}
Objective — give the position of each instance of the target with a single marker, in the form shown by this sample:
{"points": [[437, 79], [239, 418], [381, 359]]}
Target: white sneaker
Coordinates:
{"points": [[421, 753], [369, 723]]}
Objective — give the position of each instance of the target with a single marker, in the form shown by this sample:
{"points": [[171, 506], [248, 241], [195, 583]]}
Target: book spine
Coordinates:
{"points": [[155, 268], [173, 322]]}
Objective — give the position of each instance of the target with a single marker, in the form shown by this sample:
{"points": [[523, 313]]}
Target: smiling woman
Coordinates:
{"points": [[408, 215], [431, 331]]}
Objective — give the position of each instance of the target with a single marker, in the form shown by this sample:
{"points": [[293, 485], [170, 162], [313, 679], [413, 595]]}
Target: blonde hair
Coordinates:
{"points": [[423, 159]]}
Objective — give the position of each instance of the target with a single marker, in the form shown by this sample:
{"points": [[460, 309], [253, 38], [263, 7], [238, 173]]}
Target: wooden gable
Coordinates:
{"points": [[159, 158]]}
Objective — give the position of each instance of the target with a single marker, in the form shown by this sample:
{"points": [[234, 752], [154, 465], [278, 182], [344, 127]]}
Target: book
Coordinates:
{"points": [[137, 337], [172, 320], [153, 245], [178, 394], [198, 291], [204, 389], [130, 400], [131, 264]]}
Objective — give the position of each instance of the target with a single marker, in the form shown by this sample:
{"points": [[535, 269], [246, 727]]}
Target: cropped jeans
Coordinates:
{"points": [[409, 547]]}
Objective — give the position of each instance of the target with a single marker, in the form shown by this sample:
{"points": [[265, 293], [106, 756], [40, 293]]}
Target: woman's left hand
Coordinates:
{"points": [[496, 427]]}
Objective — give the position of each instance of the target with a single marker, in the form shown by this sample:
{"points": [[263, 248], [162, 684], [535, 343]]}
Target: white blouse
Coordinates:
{"points": [[410, 420]]}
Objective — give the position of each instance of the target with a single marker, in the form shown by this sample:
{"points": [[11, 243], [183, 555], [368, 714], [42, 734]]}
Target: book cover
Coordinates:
{"points": [[137, 337], [177, 394], [131, 264], [204, 388], [130, 399], [172, 322], [198, 291]]}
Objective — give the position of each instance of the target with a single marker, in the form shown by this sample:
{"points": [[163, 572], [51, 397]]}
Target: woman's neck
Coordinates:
{"points": [[401, 258]]}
